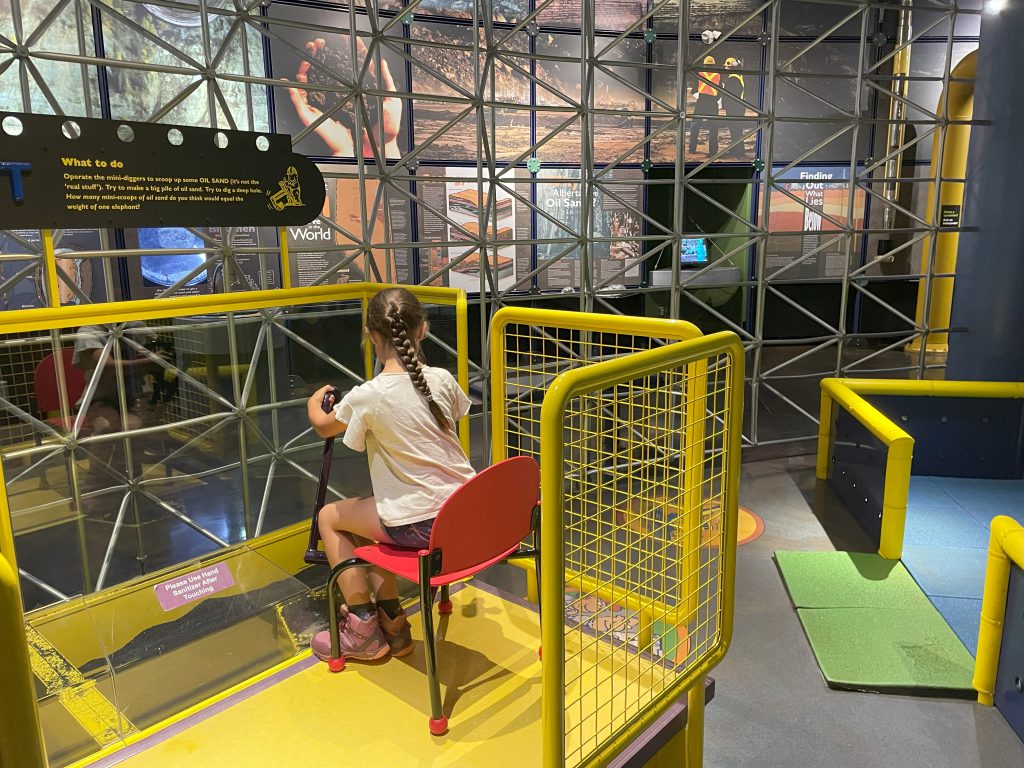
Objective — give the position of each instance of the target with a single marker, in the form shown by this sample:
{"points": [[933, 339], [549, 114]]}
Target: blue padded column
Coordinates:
{"points": [[988, 298]]}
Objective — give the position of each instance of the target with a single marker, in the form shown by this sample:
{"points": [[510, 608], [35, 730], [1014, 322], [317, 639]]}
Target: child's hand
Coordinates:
{"points": [[329, 398], [320, 410]]}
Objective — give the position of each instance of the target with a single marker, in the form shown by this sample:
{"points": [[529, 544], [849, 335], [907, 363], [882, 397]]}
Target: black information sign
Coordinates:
{"points": [[60, 172], [949, 216]]}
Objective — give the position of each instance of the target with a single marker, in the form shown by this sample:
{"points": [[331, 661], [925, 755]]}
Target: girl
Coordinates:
{"points": [[404, 419]]}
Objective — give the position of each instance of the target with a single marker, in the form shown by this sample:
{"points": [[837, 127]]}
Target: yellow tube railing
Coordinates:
{"points": [[655, 328], [1005, 548], [848, 394], [950, 164], [899, 453]]}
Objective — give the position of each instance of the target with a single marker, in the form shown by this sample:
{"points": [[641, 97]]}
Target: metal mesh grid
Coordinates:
{"points": [[534, 356], [18, 360], [645, 478]]}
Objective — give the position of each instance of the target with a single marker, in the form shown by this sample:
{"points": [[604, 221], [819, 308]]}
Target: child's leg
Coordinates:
{"points": [[383, 584], [341, 523]]}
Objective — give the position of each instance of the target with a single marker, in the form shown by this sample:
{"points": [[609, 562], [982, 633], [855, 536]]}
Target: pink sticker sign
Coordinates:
{"points": [[194, 586]]}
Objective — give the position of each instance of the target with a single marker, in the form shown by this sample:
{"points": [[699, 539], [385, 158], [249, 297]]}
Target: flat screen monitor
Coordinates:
{"points": [[694, 252]]}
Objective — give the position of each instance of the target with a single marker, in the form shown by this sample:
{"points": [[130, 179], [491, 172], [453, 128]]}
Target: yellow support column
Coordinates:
{"points": [[21, 738], [286, 266], [952, 164]]}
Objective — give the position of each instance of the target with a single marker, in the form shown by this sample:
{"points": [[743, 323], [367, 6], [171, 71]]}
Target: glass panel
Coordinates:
{"points": [[126, 661], [132, 447]]}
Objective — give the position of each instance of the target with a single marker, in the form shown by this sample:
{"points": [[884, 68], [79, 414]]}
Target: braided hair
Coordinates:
{"points": [[396, 315]]}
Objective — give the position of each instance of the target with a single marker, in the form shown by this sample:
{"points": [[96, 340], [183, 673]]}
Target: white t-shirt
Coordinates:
{"points": [[414, 464]]}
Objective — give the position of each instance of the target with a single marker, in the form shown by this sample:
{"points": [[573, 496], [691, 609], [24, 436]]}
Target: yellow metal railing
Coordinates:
{"points": [[1005, 548], [849, 394], [638, 438], [20, 740]]}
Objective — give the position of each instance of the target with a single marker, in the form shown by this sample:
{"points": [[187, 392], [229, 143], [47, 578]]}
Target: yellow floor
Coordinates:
{"points": [[376, 714]]}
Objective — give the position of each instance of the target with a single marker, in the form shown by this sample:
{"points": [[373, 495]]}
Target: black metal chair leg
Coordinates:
{"points": [[337, 661], [438, 722]]}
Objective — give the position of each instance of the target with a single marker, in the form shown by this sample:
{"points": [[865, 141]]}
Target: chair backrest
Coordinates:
{"points": [[44, 382], [488, 515]]}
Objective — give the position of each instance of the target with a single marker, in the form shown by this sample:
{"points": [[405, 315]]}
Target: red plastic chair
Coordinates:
{"points": [[484, 522], [47, 391]]}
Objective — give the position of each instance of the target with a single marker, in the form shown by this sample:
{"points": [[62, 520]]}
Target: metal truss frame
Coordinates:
{"points": [[68, 56]]}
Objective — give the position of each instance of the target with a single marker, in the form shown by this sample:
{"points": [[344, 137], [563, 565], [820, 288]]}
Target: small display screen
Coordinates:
{"points": [[695, 251]]}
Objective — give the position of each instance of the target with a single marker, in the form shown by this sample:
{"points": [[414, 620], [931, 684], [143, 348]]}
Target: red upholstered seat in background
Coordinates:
{"points": [[46, 388]]}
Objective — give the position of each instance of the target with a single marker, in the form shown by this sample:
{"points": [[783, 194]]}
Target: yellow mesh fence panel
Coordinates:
{"points": [[644, 468], [642, 455]]}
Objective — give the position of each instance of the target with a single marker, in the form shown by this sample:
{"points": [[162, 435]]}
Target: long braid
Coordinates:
{"points": [[409, 355]]}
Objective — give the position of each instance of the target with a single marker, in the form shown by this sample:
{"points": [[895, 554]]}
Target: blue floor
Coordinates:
{"points": [[945, 542]]}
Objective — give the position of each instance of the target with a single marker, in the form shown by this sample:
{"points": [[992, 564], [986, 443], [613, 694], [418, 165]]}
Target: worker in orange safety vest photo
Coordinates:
{"points": [[707, 104]]}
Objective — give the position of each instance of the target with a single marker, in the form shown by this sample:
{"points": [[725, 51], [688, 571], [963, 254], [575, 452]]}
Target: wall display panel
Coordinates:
{"points": [[181, 272], [616, 225], [620, 92], [815, 100], [609, 15], [368, 219], [53, 86], [453, 213], [311, 255], [618, 203], [79, 280], [805, 18], [446, 65], [313, 47], [504, 11], [615, 130], [721, 15], [154, 34], [731, 70], [447, 68], [814, 204], [558, 88], [507, 124]]}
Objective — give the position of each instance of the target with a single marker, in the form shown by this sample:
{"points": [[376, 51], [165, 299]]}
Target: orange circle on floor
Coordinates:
{"points": [[750, 526]]}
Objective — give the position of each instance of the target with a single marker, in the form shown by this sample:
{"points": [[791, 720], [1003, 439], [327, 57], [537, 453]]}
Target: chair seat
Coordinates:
{"points": [[405, 563]]}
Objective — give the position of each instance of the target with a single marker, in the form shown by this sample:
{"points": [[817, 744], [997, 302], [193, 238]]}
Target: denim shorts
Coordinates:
{"points": [[412, 536]]}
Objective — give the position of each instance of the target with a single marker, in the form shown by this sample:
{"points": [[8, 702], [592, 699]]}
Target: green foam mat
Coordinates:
{"points": [[871, 628], [848, 580]]}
